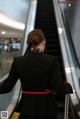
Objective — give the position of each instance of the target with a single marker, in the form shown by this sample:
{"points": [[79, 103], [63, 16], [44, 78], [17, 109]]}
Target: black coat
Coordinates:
{"points": [[37, 72]]}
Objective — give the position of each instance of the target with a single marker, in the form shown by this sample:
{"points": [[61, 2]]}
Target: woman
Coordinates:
{"points": [[39, 75]]}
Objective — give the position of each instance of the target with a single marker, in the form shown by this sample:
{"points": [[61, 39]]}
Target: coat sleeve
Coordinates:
{"points": [[57, 83], [8, 84]]}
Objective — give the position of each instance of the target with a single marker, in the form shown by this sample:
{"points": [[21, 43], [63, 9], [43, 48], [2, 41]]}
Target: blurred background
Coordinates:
{"points": [[12, 23]]}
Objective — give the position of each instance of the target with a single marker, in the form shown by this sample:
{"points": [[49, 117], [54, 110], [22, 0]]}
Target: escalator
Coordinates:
{"points": [[45, 20]]}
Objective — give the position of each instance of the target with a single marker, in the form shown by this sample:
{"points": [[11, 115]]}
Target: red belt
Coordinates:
{"points": [[42, 92]]}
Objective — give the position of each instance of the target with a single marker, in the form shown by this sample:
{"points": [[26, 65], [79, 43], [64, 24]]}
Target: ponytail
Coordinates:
{"points": [[28, 49]]}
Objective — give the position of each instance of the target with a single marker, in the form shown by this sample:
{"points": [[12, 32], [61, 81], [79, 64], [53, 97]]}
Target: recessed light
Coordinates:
{"points": [[3, 32]]}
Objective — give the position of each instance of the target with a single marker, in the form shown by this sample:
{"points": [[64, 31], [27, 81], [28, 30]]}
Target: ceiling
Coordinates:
{"points": [[12, 18], [10, 32]]}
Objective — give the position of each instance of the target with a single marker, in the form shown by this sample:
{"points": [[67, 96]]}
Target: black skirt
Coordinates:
{"points": [[39, 106], [22, 116]]}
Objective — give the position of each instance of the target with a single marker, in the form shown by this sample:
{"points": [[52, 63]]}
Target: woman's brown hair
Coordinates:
{"points": [[35, 37]]}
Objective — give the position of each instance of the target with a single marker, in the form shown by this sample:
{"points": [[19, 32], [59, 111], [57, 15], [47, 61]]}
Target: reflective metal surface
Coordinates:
{"points": [[67, 17], [71, 14]]}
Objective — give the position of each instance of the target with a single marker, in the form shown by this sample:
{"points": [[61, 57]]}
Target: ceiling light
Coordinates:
{"points": [[3, 32]]}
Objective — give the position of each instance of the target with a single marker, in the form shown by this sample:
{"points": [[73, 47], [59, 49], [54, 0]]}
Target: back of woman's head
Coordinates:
{"points": [[35, 37]]}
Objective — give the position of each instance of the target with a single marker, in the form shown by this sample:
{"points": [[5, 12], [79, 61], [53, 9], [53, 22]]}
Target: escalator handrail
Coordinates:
{"points": [[66, 112], [29, 25], [14, 99], [66, 53], [70, 41]]}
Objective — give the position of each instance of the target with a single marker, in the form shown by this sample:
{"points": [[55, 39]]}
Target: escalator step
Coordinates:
{"points": [[45, 20], [15, 115], [60, 115]]}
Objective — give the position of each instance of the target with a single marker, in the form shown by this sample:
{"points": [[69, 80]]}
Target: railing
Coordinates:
{"points": [[16, 92], [69, 65], [29, 24], [66, 113]]}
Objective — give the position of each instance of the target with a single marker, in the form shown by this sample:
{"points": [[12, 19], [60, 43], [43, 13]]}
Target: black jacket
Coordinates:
{"points": [[37, 72]]}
